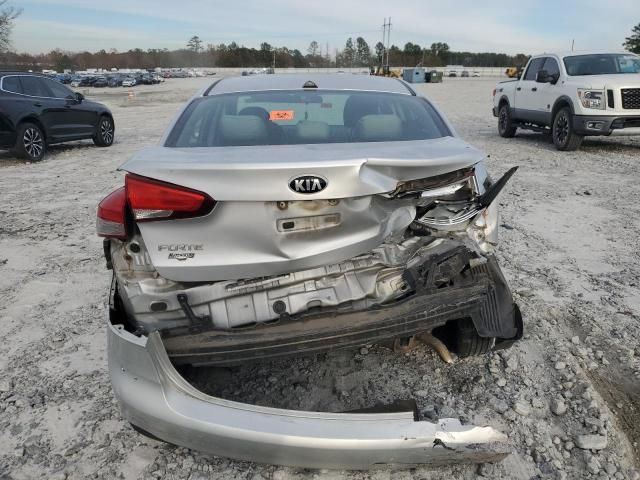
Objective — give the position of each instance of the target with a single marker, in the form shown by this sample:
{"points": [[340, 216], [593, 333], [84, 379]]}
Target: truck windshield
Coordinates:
{"points": [[303, 117], [602, 64]]}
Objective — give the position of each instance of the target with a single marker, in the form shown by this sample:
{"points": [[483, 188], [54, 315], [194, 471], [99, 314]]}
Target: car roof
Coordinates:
{"points": [[295, 81], [35, 74], [583, 52]]}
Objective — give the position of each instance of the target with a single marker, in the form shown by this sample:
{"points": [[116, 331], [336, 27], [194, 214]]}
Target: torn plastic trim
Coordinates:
{"points": [[461, 211], [156, 399]]}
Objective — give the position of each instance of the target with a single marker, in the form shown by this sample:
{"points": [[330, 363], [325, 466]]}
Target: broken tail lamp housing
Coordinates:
{"points": [[452, 206], [445, 201], [147, 200]]}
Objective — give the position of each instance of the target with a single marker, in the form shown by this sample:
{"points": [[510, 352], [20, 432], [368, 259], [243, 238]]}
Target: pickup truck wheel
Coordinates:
{"points": [[564, 136], [506, 128]]}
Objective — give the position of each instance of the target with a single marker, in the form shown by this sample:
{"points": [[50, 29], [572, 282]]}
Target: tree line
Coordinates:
{"points": [[355, 53]]}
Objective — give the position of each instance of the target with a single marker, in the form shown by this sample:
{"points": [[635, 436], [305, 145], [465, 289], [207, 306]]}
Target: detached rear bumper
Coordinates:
{"points": [[156, 399]]}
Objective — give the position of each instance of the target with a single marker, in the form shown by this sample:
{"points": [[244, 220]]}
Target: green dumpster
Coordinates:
{"points": [[433, 76]]}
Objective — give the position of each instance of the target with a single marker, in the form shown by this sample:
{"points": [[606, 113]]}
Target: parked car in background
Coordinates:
{"points": [[37, 111], [100, 82], [375, 223], [115, 80], [475, 73], [465, 73], [147, 79], [129, 82], [87, 81], [63, 78], [452, 73], [572, 95]]}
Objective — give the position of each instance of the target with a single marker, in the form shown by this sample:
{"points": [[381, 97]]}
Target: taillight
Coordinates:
{"points": [[111, 221], [494, 92], [155, 200]]}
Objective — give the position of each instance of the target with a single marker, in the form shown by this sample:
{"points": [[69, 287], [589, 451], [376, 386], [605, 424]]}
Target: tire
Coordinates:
{"points": [[564, 136], [30, 142], [506, 128], [467, 342], [105, 132]]}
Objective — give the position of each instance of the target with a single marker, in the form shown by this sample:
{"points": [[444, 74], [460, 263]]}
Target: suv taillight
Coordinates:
{"points": [[149, 200]]}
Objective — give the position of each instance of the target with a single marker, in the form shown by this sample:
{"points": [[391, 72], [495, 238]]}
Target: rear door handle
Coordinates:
{"points": [[519, 88], [37, 104], [534, 89]]}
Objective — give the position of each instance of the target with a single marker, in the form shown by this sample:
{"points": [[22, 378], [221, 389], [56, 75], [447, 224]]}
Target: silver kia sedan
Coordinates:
{"points": [[290, 215]]}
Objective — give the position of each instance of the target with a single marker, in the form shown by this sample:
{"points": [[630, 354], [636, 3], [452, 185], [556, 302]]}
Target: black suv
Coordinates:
{"points": [[36, 111]]}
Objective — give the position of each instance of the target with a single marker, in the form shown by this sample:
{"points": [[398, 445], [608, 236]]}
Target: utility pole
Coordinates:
{"points": [[274, 60], [386, 37]]}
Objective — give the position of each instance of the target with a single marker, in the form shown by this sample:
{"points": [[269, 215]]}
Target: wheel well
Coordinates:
{"points": [[559, 105], [36, 121], [502, 102], [103, 114]]}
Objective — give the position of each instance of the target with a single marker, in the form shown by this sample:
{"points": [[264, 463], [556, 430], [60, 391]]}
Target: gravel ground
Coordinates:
{"points": [[568, 395]]}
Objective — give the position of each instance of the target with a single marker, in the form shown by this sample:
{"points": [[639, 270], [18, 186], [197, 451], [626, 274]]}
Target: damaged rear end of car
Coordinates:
{"points": [[274, 239]]}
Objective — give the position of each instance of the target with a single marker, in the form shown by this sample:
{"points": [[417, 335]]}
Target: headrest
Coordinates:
{"points": [[243, 130], [312, 132], [378, 128], [357, 106], [255, 111]]}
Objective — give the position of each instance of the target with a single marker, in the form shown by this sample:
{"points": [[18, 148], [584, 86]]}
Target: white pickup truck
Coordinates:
{"points": [[572, 95]]}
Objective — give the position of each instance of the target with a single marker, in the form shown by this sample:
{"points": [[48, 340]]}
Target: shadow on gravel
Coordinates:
{"points": [[8, 159], [342, 380], [610, 145], [623, 398], [605, 145]]}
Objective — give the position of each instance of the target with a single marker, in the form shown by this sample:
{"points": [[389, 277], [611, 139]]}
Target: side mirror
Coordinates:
{"points": [[79, 97]]}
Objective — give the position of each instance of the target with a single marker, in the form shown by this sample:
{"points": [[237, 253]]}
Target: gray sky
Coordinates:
{"points": [[526, 26]]}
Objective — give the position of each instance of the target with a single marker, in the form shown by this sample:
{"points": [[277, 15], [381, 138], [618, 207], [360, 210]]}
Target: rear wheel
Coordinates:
{"points": [[30, 143], [105, 132], [460, 336], [506, 128], [564, 136], [467, 342]]}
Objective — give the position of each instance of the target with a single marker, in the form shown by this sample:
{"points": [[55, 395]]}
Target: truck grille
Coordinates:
{"points": [[631, 98]]}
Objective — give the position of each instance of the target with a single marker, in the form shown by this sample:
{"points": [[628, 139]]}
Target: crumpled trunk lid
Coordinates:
{"points": [[261, 227]]}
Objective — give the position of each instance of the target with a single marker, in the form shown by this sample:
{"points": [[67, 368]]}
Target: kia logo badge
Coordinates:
{"points": [[308, 184]]}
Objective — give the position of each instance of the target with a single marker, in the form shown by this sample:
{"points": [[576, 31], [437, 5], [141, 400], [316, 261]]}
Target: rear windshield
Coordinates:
{"points": [[602, 64], [303, 117]]}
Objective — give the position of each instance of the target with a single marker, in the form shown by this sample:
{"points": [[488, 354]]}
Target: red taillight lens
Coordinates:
{"points": [[111, 219], [155, 200]]}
